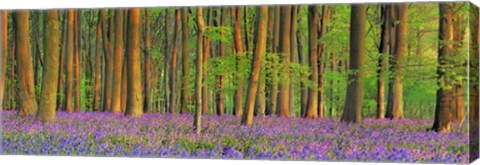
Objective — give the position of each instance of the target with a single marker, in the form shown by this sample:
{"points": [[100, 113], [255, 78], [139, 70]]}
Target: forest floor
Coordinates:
{"points": [[272, 138]]}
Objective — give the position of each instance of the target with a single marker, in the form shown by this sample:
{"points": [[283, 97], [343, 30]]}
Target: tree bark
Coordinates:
{"points": [[48, 98], [117, 63], [285, 28], [237, 35], [26, 87], [384, 51], [259, 50], [197, 123], [221, 93], [396, 102], [3, 54], [70, 46], [134, 85], [98, 69], [173, 74], [354, 98], [444, 103], [146, 79], [76, 64], [107, 93], [312, 107]]}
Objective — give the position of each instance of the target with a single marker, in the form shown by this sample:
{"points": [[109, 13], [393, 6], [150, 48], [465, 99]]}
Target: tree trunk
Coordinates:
{"points": [[197, 123], [285, 28], [185, 54], [444, 103], [293, 57], [70, 46], [98, 69], [107, 93], [396, 102], [237, 35], [26, 89], [259, 50], [173, 74], [146, 78], [354, 98], [384, 51], [134, 85], [312, 107], [46, 110], [76, 64], [206, 54], [117, 63], [458, 37], [63, 57], [321, 64], [3, 54]]}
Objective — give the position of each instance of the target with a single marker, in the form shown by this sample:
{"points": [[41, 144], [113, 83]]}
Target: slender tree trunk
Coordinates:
{"points": [[197, 123], [98, 69], [3, 55], [312, 107], [146, 80], [293, 57], [173, 74], [166, 63], [134, 85], [384, 51], [76, 64], [353, 101], [107, 97], [259, 50], [391, 59], [321, 64], [237, 35], [444, 105], [26, 89], [206, 54], [70, 46], [123, 101], [186, 66], [61, 72], [46, 110]]}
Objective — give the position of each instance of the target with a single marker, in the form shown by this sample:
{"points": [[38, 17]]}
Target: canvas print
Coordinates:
{"points": [[367, 82]]}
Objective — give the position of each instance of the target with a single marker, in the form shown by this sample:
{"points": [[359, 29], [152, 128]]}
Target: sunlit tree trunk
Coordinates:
{"points": [[70, 46], [185, 60], [197, 123], [353, 103], [117, 63], [272, 110], [293, 57], [134, 85], [312, 103], [459, 31], [321, 63], [444, 104], [25, 84], [259, 50], [285, 27], [237, 35], [48, 98]]}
